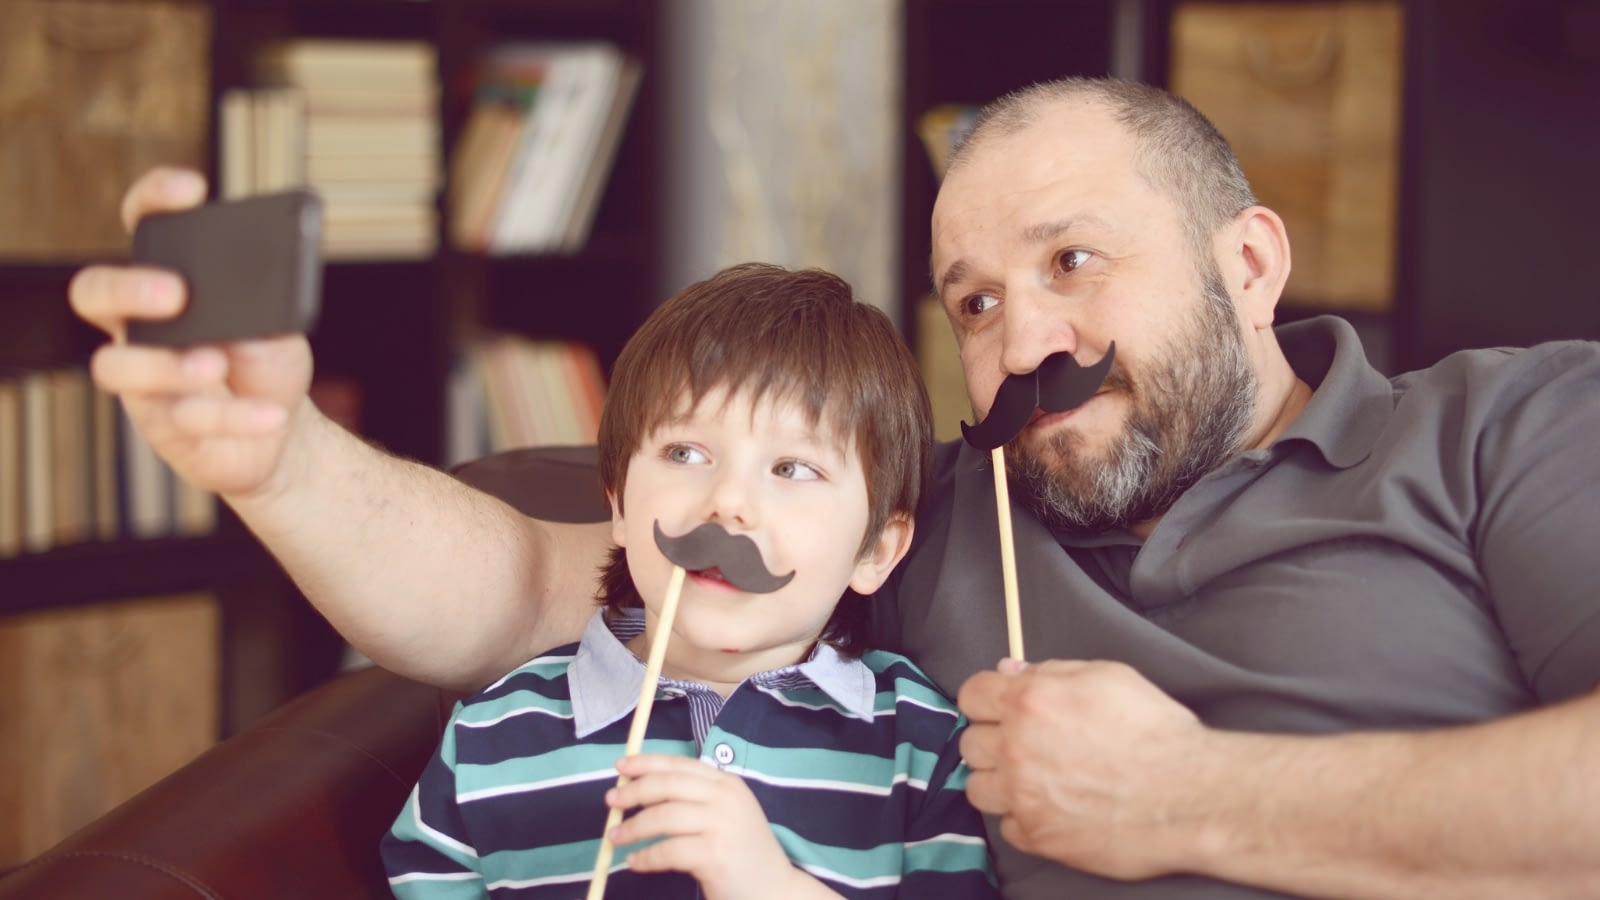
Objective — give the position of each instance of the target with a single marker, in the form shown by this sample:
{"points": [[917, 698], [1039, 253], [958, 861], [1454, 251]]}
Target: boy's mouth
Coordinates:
{"points": [[713, 554]]}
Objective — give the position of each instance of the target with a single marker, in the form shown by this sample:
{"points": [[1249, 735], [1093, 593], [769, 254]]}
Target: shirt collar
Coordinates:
{"points": [[1351, 402], [605, 678]]}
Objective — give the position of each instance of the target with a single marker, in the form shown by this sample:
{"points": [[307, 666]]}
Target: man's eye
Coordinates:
{"points": [[682, 453], [978, 304], [793, 468], [1070, 260]]}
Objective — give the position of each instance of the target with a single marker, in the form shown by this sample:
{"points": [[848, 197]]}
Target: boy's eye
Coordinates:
{"points": [[684, 454], [978, 304], [795, 469]]}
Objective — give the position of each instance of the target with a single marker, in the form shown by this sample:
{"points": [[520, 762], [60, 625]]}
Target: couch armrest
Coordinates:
{"points": [[291, 807]]}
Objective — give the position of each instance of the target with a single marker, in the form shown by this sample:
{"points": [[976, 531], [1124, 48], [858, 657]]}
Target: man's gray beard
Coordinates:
{"points": [[1189, 416]]}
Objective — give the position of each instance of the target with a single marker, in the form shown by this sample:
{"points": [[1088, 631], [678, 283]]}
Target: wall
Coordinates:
{"points": [[780, 126]]}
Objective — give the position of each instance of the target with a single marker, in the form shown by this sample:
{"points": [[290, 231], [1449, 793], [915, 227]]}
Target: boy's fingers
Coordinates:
{"points": [[162, 189], [683, 854], [665, 820], [646, 763], [659, 787]]}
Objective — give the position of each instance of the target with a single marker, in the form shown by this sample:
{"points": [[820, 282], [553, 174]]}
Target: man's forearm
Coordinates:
{"points": [[1505, 809], [428, 577]]}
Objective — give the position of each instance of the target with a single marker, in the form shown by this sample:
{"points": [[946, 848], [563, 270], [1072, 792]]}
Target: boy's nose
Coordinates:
{"points": [[731, 502]]}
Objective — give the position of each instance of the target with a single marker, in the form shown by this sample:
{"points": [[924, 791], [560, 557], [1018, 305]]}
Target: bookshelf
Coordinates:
{"points": [[391, 329]]}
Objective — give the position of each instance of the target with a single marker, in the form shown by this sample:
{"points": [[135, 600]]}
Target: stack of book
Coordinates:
{"points": [[512, 391], [538, 145], [72, 469], [355, 120]]}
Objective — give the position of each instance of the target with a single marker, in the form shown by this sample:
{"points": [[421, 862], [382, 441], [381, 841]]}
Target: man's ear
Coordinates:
{"points": [[619, 534], [873, 569], [1257, 266]]}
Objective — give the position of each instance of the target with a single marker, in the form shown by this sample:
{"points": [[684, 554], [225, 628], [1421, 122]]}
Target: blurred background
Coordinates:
{"points": [[511, 185]]}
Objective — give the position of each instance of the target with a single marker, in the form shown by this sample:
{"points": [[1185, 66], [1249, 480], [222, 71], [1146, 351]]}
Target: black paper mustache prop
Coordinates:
{"points": [[1057, 385], [710, 546]]}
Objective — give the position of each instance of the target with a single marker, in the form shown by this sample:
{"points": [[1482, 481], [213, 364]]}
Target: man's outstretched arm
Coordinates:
{"points": [[1091, 765], [425, 575]]}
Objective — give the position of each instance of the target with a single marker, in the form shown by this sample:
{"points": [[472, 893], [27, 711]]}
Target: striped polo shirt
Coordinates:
{"points": [[854, 762]]}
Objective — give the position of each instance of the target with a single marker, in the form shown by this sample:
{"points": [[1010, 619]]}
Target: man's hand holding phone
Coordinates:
{"points": [[220, 414]]}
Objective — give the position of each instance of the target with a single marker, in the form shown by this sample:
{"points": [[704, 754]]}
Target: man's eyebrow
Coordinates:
{"points": [[1042, 233], [956, 272]]}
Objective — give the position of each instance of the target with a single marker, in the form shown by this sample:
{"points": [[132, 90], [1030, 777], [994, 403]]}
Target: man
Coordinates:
{"points": [[1291, 625]]}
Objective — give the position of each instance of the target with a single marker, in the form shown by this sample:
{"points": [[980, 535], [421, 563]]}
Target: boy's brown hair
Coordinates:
{"points": [[766, 332]]}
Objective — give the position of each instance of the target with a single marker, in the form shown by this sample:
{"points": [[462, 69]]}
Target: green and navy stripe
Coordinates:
{"points": [[512, 804]]}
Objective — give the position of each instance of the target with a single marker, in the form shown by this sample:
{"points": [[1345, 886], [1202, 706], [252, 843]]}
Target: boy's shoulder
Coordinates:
{"points": [[903, 678], [543, 676]]}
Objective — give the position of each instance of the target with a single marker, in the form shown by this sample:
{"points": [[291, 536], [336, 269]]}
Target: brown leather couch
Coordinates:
{"points": [[294, 806]]}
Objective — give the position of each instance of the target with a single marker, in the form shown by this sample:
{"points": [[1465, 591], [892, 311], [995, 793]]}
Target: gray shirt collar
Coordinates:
{"points": [[1351, 401], [605, 678]]}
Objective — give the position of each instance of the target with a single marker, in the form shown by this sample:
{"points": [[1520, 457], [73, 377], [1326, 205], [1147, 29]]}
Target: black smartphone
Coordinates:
{"points": [[253, 267]]}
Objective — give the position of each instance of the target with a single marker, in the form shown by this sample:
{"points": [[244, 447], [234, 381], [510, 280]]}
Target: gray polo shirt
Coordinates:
{"points": [[1412, 552]]}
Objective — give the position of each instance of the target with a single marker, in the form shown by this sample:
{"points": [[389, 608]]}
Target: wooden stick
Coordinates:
{"points": [[641, 719], [1008, 554]]}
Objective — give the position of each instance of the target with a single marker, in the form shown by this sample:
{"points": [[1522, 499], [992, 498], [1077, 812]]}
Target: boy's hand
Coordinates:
{"points": [[712, 828], [220, 415]]}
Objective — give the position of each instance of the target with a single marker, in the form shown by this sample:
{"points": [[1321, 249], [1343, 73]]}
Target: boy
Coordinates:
{"points": [[781, 760]]}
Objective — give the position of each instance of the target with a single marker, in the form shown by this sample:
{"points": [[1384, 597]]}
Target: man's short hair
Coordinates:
{"points": [[1180, 152]]}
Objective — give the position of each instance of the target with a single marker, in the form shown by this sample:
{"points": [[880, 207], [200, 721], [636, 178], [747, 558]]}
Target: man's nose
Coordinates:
{"points": [[1036, 323]]}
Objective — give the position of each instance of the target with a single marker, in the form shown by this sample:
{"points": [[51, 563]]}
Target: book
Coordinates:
{"points": [[236, 140], [11, 488], [363, 65], [589, 74], [370, 136], [526, 171], [105, 485], [367, 141], [72, 505], [38, 463], [586, 200], [147, 484], [586, 382], [561, 142], [478, 170]]}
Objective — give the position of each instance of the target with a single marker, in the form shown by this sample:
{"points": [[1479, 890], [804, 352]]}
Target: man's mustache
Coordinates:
{"points": [[1057, 385], [710, 546]]}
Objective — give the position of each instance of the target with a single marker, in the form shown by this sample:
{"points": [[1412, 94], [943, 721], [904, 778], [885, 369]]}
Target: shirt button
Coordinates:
{"points": [[723, 754]]}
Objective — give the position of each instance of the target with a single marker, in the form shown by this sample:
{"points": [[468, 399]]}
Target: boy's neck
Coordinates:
{"points": [[721, 671]]}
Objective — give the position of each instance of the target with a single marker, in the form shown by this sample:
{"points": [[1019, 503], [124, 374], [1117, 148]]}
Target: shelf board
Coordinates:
{"points": [[96, 571]]}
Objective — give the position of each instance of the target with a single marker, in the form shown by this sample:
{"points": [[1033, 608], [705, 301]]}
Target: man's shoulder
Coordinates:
{"points": [[1496, 378]]}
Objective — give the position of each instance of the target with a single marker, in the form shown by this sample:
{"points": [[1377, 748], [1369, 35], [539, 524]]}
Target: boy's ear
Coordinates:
{"points": [[873, 569], [619, 534]]}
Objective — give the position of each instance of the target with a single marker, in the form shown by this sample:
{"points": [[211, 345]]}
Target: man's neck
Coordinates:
{"points": [[1282, 407]]}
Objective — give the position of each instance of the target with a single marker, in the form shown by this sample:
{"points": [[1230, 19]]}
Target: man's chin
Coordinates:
{"points": [[1062, 452]]}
